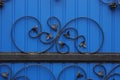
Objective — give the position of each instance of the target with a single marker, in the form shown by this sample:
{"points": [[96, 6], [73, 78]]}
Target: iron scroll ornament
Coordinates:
{"points": [[60, 32], [78, 72], [8, 73], [113, 4], [2, 2], [102, 72]]}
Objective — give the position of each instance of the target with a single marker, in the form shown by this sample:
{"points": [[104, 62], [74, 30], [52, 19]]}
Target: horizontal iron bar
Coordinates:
{"points": [[100, 57]]}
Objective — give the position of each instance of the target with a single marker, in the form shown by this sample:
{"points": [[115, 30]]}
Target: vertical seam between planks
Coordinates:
{"points": [[113, 32], [13, 19], [88, 25], [38, 14], [51, 12], [27, 25], [76, 3], [100, 19], [38, 2], [88, 8], [1, 30]]}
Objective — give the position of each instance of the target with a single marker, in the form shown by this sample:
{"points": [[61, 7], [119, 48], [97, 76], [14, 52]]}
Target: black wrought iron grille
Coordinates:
{"points": [[99, 70], [60, 32], [63, 52]]}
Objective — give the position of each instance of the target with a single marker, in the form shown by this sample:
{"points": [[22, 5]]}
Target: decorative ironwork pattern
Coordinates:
{"points": [[59, 31], [64, 32], [7, 75], [113, 4], [79, 73]]}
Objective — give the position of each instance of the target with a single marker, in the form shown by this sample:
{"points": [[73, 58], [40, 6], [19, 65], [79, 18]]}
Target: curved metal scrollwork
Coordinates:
{"points": [[78, 74], [48, 38], [107, 1], [113, 4], [99, 70], [19, 75], [71, 72], [34, 29], [102, 72], [112, 73]]}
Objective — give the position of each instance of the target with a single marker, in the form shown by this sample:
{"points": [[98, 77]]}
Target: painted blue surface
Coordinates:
{"points": [[65, 10]]}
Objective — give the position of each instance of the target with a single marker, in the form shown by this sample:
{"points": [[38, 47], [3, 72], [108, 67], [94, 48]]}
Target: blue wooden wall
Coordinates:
{"points": [[65, 10]]}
